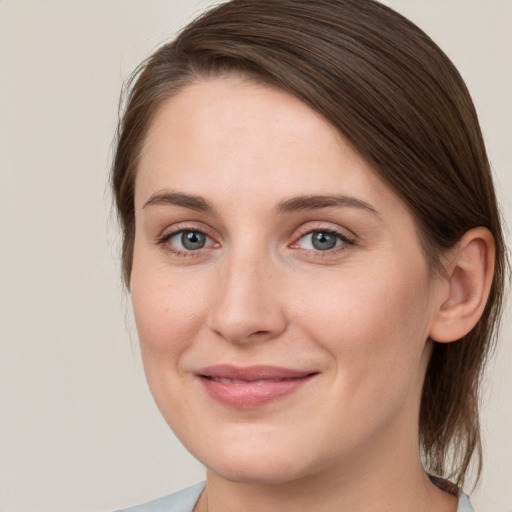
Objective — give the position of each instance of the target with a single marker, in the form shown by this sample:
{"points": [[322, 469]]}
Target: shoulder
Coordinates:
{"points": [[181, 501], [184, 501], [447, 486], [464, 504]]}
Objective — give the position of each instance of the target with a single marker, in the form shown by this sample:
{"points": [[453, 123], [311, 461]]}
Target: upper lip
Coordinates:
{"points": [[252, 373]]}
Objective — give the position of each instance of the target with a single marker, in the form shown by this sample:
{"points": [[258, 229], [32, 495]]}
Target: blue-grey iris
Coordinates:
{"points": [[323, 241], [192, 240]]}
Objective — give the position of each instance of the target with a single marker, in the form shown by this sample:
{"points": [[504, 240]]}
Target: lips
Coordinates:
{"points": [[252, 386]]}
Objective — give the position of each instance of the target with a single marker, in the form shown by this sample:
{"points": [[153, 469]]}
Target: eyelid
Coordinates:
{"points": [[340, 233], [171, 231], [312, 227]]}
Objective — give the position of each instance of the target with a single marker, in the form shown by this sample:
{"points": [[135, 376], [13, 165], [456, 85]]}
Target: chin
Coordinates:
{"points": [[257, 461], [248, 472]]}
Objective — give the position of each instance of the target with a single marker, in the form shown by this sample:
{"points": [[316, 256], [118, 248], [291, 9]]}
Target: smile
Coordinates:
{"points": [[251, 387]]}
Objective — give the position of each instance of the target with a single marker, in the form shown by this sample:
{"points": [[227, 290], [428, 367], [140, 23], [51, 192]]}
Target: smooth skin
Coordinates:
{"points": [[235, 263]]}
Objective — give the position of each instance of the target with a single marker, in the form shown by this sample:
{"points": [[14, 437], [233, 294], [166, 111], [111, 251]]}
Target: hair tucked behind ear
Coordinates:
{"points": [[400, 101]]}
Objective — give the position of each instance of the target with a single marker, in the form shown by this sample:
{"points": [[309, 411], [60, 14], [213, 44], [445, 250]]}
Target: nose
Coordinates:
{"points": [[248, 305]]}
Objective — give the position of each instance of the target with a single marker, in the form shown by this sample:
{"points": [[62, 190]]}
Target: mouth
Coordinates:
{"points": [[253, 386]]}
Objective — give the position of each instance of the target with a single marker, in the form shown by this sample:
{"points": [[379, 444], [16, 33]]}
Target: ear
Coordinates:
{"points": [[470, 269]]}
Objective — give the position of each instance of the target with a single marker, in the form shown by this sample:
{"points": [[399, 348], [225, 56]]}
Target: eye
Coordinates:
{"points": [[321, 240], [186, 241]]}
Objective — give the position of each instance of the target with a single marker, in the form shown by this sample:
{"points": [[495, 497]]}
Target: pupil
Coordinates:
{"points": [[192, 240], [323, 241]]}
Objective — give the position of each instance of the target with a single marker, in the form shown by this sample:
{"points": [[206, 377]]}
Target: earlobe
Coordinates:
{"points": [[469, 278]]}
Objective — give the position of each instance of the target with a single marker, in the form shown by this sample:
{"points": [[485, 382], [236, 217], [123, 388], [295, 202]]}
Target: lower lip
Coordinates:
{"points": [[252, 394]]}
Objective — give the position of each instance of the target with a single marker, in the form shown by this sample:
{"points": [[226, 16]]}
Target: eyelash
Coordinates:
{"points": [[164, 239], [345, 241]]}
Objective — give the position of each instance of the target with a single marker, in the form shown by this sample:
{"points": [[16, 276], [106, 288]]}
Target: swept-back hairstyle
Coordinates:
{"points": [[388, 88]]}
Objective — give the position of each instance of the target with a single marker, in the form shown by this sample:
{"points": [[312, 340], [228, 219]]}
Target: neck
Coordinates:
{"points": [[385, 475], [384, 484]]}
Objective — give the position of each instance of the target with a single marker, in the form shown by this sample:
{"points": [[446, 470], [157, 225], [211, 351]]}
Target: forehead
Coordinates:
{"points": [[230, 135], [233, 115]]}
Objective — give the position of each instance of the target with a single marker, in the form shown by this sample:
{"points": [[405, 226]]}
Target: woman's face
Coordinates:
{"points": [[281, 296]]}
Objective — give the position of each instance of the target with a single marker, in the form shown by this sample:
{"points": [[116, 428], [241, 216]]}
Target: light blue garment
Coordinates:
{"points": [[181, 501], [464, 504], [184, 501]]}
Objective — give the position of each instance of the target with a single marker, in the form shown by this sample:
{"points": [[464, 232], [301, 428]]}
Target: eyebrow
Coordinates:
{"points": [[317, 202], [191, 202], [294, 204]]}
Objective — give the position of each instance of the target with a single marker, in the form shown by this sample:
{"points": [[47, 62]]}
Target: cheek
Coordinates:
{"points": [[168, 308], [375, 331], [374, 324], [168, 317]]}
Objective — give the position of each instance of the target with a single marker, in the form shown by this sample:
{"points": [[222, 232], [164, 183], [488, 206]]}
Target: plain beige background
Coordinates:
{"points": [[78, 429]]}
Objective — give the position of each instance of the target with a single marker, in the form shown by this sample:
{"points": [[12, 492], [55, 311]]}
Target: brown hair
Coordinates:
{"points": [[399, 100]]}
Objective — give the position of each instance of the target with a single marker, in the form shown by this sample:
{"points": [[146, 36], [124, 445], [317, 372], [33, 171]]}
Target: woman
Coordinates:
{"points": [[315, 257]]}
